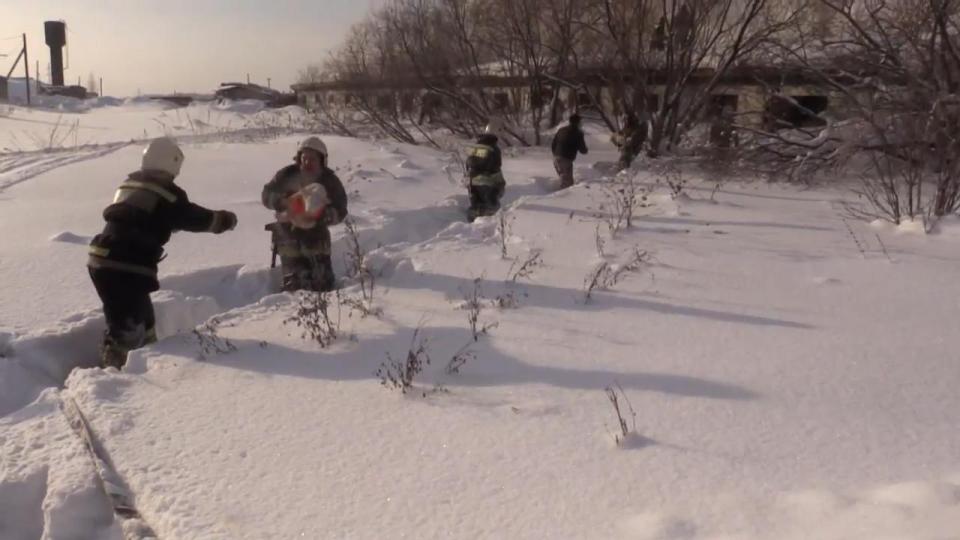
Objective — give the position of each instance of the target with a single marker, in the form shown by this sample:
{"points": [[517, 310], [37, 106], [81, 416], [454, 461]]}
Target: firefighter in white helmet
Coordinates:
{"points": [[147, 208], [307, 198], [486, 182]]}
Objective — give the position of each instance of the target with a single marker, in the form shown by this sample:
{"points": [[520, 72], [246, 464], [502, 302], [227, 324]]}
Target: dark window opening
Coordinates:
{"points": [[646, 104], [406, 102], [721, 104], [539, 97], [583, 100], [795, 112], [385, 102], [501, 101], [432, 100]]}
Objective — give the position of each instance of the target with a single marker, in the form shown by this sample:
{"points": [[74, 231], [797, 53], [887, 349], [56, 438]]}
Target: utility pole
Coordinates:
{"points": [[268, 82], [36, 72], [101, 86], [26, 67], [248, 78]]}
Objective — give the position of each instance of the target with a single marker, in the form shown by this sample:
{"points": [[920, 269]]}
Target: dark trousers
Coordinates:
{"points": [[304, 257], [131, 323], [564, 168], [484, 200], [629, 151], [313, 273]]}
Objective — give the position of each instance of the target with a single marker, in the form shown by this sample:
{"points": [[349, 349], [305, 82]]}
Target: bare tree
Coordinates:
{"points": [[894, 68], [520, 42], [684, 49], [470, 60], [439, 40], [312, 73]]}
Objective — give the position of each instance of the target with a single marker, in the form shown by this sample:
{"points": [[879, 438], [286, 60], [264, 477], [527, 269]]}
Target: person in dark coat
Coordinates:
{"points": [[487, 184], [629, 140], [566, 144], [147, 208], [308, 198]]}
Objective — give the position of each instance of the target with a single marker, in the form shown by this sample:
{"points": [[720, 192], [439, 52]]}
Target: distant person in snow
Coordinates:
{"points": [[723, 133], [147, 208], [486, 177], [308, 198], [629, 140], [566, 144]]}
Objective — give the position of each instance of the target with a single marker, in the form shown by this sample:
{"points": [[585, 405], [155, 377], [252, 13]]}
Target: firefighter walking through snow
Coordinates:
{"points": [[484, 164], [307, 198], [147, 208]]}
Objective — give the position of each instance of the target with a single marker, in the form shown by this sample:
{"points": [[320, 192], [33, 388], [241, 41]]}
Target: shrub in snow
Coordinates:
{"points": [[313, 316], [623, 195], [605, 276], [399, 374], [675, 181], [61, 135], [358, 267], [626, 431], [524, 269], [599, 242], [460, 358], [473, 301], [210, 342], [504, 223]]}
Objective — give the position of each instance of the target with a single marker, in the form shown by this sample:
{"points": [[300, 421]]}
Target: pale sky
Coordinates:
{"points": [[159, 46]]}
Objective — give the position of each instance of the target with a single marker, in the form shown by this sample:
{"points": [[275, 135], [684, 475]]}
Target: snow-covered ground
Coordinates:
{"points": [[793, 373]]}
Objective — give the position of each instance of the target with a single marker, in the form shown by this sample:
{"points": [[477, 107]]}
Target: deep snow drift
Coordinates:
{"points": [[793, 373]]}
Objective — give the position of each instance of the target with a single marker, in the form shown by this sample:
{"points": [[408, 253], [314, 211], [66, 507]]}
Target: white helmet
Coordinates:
{"points": [[163, 155], [314, 143]]}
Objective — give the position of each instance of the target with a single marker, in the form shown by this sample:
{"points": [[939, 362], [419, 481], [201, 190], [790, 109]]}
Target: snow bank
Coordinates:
{"points": [[243, 106], [17, 93], [48, 486], [17, 89], [948, 226], [45, 358], [921, 510]]}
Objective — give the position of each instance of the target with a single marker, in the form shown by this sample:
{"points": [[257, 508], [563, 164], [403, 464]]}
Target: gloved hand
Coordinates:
{"points": [[223, 220]]}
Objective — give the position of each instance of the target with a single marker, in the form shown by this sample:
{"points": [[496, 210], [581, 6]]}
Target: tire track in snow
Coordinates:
{"points": [[20, 167]]}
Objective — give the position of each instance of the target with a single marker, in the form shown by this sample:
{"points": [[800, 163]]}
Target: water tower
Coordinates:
{"points": [[56, 34]]}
